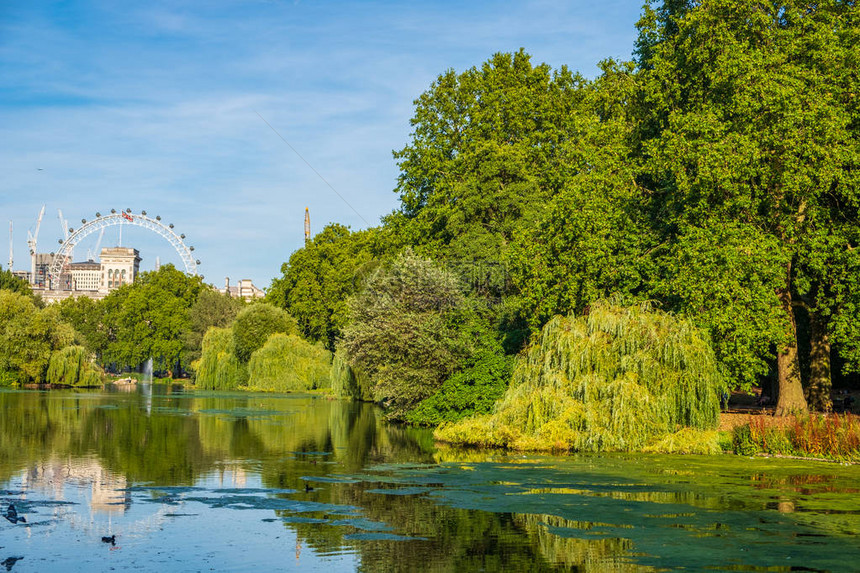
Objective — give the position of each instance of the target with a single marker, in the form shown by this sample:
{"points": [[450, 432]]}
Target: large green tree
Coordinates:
{"points": [[487, 152], [254, 325], [28, 337], [593, 238], [10, 282], [87, 316], [411, 328], [319, 277], [210, 309], [149, 318], [751, 134]]}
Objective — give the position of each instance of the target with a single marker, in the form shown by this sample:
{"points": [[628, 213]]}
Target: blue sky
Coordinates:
{"points": [[153, 106]]}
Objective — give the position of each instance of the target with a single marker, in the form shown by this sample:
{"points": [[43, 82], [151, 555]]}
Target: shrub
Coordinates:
{"points": [[832, 436], [288, 363], [254, 325], [614, 379], [687, 441], [744, 444], [412, 328], [472, 391]]}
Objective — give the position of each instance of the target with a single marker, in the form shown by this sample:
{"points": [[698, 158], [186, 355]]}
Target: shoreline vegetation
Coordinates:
{"points": [[574, 264]]}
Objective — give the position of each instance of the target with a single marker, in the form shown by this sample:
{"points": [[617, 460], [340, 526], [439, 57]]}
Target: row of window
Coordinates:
{"points": [[115, 278]]}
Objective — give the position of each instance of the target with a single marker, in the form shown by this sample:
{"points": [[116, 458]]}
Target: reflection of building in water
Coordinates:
{"points": [[232, 475], [109, 491]]}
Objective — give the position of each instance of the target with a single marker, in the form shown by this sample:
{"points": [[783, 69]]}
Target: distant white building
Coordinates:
{"points": [[86, 275], [244, 289], [119, 266]]}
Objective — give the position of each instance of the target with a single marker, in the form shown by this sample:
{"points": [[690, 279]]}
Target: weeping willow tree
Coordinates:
{"points": [[71, 366], [218, 367], [349, 381], [615, 379], [288, 363]]}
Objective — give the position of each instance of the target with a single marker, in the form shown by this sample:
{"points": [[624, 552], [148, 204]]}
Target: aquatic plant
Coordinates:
{"points": [[615, 378], [71, 365], [286, 362]]}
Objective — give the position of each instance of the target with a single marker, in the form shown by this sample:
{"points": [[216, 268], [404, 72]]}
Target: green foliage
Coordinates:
{"points": [[411, 328], [71, 366], [10, 282], [742, 441], [254, 325], [614, 379], [725, 440], [210, 309], [347, 381], [287, 363], [218, 367], [592, 237], [686, 441], [149, 318], [750, 121], [87, 316], [724, 276], [319, 278], [486, 153], [473, 391], [28, 337]]}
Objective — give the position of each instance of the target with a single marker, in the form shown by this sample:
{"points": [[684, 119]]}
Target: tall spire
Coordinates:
{"points": [[307, 226]]}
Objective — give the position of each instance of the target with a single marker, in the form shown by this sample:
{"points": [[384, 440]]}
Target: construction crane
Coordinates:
{"points": [[91, 254], [307, 226], [11, 253], [64, 224], [32, 239]]}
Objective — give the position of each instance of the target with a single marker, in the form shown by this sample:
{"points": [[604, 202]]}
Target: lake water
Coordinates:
{"points": [[205, 481]]}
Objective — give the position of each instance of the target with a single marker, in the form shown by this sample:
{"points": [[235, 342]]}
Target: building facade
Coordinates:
{"points": [[244, 289], [119, 266], [85, 276]]}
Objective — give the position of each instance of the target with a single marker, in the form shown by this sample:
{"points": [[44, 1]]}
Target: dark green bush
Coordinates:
{"points": [[254, 325], [218, 367], [472, 391], [742, 441]]}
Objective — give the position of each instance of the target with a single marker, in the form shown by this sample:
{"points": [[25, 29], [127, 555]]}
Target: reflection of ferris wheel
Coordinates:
{"points": [[63, 256]]}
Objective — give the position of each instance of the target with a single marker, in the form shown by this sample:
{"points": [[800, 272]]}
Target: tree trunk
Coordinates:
{"points": [[791, 400], [818, 392]]}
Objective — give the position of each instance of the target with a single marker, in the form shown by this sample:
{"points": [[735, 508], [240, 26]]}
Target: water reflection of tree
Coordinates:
{"points": [[190, 436]]}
